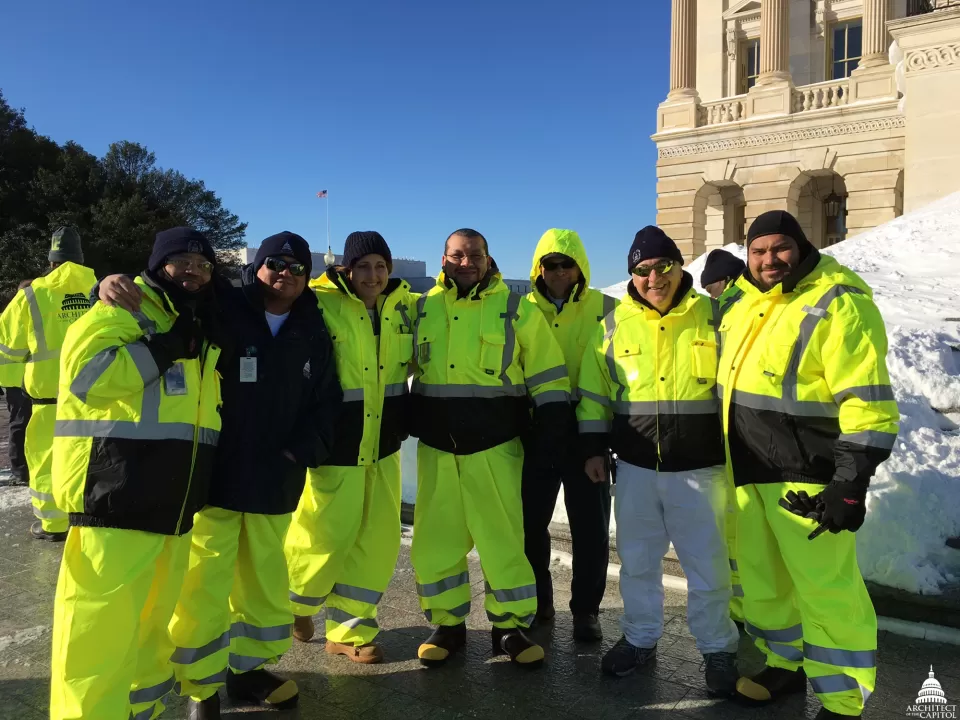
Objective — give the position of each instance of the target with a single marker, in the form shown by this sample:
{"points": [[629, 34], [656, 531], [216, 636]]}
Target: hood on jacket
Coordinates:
{"points": [[566, 242], [815, 269], [335, 280]]}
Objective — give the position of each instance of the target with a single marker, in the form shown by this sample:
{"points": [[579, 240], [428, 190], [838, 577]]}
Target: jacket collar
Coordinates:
{"points": [[806, 266]]}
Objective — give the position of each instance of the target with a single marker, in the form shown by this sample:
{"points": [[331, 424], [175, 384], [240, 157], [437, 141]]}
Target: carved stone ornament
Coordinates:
{"points": [[821, 18], [932, 58], [732, 42]]}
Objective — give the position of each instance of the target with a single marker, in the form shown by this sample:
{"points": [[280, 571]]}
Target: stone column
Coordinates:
{"points": [[774, 42], [683, 49], [875, 43]]}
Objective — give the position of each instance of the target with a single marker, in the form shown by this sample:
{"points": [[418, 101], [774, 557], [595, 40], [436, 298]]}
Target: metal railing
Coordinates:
{"points": [[922, 7]]}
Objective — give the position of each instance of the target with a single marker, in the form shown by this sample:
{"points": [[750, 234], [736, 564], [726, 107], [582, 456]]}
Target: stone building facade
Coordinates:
{"points": [[794, 104]]}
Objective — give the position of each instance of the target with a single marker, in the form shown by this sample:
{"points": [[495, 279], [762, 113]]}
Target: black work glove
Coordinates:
{"points": [[845, 506], [182, 341], [802, 505]]}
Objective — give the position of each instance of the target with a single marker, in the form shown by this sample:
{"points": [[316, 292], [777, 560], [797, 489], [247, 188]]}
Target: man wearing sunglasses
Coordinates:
{"points": [[648, 389], [560, 277]]}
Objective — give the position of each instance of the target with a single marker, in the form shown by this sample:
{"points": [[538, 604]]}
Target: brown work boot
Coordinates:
{"points": [[303, 629], [368, 654], [442, 643], [770, 684]]}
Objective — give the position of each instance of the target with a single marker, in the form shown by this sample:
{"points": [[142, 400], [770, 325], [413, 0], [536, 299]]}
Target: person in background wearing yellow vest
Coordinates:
{"points": [[648, 390], [32, 329], [720, 271], [483, 354], [560, 278], [18, 413], [809, 414], [345, 537], [138, 419]]}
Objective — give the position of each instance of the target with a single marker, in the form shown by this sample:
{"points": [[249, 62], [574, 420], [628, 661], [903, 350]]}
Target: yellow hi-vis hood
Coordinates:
{"points": [[566, 242]]}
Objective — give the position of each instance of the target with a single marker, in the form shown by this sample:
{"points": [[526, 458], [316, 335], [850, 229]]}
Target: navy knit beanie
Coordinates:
{"points": [[284, 243], [721, 265], [65, 246], [650, 243], [363, 243], [178, 240], [779, 222]]}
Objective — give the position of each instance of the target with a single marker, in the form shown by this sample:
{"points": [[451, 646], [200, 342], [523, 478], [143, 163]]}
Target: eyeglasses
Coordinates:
{"points": [[279, 265], [662, 268], [204, 266], [566, 264], [459, 258]]}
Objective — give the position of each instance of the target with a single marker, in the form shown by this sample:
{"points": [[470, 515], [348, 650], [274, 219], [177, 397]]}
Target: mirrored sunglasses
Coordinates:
{"points": [[662, 268], [279, 265]]}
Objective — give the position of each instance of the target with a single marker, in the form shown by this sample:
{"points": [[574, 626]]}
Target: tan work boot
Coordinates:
{"points": [[368, 654], [303, 629]]}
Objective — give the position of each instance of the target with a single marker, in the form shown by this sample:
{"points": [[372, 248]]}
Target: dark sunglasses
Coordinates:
{"points": [[566, 264], [662, 268], [279, 265]]}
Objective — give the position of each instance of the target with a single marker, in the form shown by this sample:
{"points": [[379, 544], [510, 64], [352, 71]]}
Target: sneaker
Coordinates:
{"points": [[38, 533], [721, 673], [521, 649], [208, 709], [623, 658], [303, 629], [262, 687], [368, 654], [769, 684], [825, 714], [442, 643], [586, 628]]}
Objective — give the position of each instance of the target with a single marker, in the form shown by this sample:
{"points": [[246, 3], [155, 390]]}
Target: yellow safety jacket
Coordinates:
{"points": [[574, 323], [661, 369], [478, 359], [373, 369], [803, 374], [133, 448], [34, 324]]}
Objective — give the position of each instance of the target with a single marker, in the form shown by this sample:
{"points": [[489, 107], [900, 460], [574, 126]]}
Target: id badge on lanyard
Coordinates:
{"points": [[248, 369], [175, 380]]}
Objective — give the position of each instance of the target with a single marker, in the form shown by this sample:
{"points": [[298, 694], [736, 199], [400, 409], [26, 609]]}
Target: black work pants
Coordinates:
{"points": [[588, 511], [20, 408]]}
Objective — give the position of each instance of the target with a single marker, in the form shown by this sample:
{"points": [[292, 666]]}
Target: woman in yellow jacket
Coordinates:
{"points": [[345, 536]]}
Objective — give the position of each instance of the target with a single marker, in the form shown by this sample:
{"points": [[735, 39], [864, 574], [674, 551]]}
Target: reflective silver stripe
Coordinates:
{"points": [[10, 362], [91, 372], [594, 426], [307, 600], [609, 305], [127, 429], [596, 397], [351, 592], [738, 590], [833, 683], [610, 328], [244, 663], [150, 377], [402, 309], [215, 679], [733, 565], [789, 652], [718, 338], [49, 514], [187, 656], [468, 391], [524, 592], [37, 317], [421, 302], [41, 495], [461, 611], [525, 621], [867, 393], [148, 326], [557, 373], [720, 391], [206, 436], [800, 408], [395, 389], [551, 396], [666, 407], [840, 658], [509, 335], [13, 353], [353, 395], [153, 693], [871, 438], [732, 300], [344, 618], [441, 586], [787, 635], [266, 634]]}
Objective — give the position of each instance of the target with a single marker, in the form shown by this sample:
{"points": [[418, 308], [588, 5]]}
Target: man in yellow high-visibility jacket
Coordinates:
{"points": [[32, 329], [18, 409], [808, 414], [482, 354]]}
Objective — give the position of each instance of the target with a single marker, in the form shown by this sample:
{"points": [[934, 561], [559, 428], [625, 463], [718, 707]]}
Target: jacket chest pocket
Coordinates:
{"points": [[492, 338], [778, 349], [703, 359], [629, 357], [404, 348]]}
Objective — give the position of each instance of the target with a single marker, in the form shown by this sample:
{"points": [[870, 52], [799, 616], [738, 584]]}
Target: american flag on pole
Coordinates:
{"points": [[322, 194]]}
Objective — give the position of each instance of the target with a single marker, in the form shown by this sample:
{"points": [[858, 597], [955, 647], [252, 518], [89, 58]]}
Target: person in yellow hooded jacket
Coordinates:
{"points": [[19, 410], [560, 278], [136, 431], [32, 331], [483, 354], [343, 543], [809, 414]]}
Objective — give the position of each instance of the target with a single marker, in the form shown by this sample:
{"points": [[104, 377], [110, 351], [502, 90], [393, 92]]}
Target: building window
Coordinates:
{"points": [[749, 64], [846, 41]]}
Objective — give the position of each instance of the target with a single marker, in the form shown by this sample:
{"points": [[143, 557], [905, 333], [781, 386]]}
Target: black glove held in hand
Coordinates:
{"points": [[844, 506], [802, 505], [182, 341]]}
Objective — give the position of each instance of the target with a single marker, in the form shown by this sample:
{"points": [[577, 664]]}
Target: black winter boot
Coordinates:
{"points": [[769, 684], [825, 714], [586, 628], [262, 687], [521, 649], [442, 643], [208, 709]]}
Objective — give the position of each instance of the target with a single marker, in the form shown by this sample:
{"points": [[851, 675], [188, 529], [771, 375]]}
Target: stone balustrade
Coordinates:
{"points": [[830, 94], [722, 111]]}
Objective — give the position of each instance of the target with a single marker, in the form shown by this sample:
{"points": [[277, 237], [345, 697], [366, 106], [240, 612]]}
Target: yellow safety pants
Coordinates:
{"points": [[233, 610], [111, 647], [467, 500], [730, 526], [343, 544], [804, 600], [38, 447]]}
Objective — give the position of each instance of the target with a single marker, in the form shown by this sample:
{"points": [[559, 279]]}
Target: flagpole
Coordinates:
{"points": [[329, 247]]}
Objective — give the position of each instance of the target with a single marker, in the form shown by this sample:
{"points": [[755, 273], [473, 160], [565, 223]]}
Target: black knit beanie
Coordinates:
{"points": [[65, 246], [779, 222], [649, 243], [284, 243], [721, 265], [366, 242], [178, 240]]}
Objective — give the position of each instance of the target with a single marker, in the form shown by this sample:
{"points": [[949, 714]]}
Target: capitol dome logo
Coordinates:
{"points": [[931, 702]]}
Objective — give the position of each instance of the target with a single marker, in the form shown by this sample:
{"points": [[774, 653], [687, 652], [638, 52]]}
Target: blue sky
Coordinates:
{"points": [[419, 117]]}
